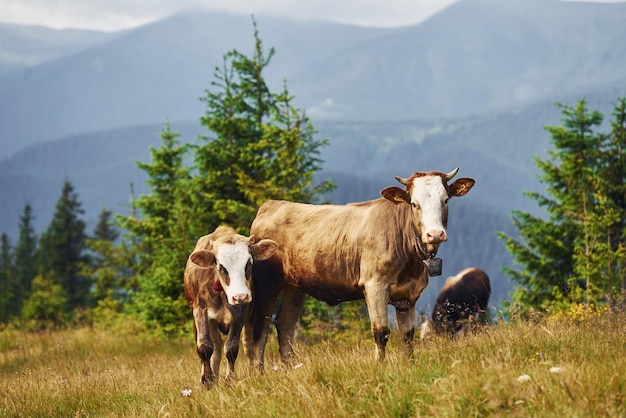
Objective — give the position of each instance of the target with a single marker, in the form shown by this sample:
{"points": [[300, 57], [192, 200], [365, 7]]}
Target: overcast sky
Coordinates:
{"points": [[111, 15]]}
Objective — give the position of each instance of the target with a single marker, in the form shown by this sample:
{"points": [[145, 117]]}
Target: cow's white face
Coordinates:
{"points": [[429, 202], [428, 195], [230, 261], [234, 268]]}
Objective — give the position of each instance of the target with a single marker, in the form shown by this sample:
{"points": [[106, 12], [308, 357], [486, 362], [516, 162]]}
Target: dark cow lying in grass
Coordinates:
{"points": [[218, 287], [461, 304]]}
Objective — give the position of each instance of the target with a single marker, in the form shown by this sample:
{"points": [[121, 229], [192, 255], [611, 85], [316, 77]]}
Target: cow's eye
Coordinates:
{"points": [[446, 201], [223, 270], [414, 205]]}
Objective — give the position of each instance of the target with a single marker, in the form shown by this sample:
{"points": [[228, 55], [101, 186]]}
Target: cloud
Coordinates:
{"points": [[111, 15]]}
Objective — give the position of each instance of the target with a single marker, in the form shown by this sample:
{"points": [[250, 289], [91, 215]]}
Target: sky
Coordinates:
{"points": [[112, 15]]}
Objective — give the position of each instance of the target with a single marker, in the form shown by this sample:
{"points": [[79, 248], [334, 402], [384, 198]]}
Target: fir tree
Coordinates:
{"points": [[109, 264], [7, 279], [258, 147], [47, 304], [162, 235], [261, 146], [62, 249], [25, 257], [574, 254]]}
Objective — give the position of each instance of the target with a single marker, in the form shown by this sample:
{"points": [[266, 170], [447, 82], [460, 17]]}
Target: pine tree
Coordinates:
{"points": [[258, 147], [573, 254], [47, 304], [62, 249], [108, 265], [162, 235], [262, 147], [25, 258], [613, 174], [7, 278]]}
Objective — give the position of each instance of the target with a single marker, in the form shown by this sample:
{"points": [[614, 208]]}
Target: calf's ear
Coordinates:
{"points": [[461, 187], [202, 258], [395, 194], [263, 249]]}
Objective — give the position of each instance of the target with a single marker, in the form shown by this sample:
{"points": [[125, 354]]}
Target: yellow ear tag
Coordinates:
{"points": [[461, 188], [398, 199]]}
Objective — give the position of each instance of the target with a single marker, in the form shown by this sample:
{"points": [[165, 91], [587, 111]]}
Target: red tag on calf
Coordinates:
{"points": [[217, 286]]}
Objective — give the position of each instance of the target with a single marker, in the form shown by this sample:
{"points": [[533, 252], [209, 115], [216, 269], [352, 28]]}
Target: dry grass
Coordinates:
{"points": [[574, 370]]}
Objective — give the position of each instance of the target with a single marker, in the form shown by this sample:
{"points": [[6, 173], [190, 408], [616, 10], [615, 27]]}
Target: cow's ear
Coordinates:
{"points": [[395, 194], [263, 249], [202, 258], [461, 186]]}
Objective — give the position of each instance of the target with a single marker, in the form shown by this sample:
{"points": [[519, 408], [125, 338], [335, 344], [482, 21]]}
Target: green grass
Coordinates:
{"points": [[89, 373]]}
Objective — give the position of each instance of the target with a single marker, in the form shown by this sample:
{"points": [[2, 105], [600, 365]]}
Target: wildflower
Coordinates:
{"points": [[556, 369], [275, 368], [523, 378], [297, 366], [186, 392]]}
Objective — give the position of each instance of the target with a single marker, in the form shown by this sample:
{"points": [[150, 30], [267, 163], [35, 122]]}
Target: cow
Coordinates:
{"points": [[218, 288], [461, 304], [371, 250]]}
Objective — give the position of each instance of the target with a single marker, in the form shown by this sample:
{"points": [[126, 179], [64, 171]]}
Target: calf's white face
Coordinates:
{"points": [[234, 265]]}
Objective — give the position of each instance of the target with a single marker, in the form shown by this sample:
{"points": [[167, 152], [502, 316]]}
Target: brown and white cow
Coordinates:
{"points": [[461, 304], [335, 253], [218, 288]]}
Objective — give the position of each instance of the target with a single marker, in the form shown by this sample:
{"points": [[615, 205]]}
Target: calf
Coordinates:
{"points": [[218, 288], [462, 301]]}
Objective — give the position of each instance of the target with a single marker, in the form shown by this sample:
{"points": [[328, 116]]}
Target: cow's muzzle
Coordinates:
{"points": [[240, 299]]}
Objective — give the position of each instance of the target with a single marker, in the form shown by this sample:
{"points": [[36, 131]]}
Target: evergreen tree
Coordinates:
{"points": [[62, 249], [162, 235], [569, 256], [109, 264], [47, 304], [259, 148], [262, 147], [613, 174], [7, 278], [25, 258]]}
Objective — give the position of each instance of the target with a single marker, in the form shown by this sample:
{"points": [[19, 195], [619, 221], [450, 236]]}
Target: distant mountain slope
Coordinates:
{"points": [[151, 74], [26, 46], [475, 57]]}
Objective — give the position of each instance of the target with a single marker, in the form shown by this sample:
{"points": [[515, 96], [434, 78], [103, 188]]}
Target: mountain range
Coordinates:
{"points": [[473, 86]]}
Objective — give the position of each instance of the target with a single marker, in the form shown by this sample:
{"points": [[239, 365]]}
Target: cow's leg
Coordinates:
{"points": [[376, 297], [216, 357], [257, 328], [204, 344], [406, 326], [231, 348], [287, 320]]}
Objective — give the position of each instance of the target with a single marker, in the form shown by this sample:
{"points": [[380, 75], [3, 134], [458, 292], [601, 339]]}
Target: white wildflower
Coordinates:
{"points": [[523, 378], [297, 366], [275, 368], [186, 392], [556, 369]]}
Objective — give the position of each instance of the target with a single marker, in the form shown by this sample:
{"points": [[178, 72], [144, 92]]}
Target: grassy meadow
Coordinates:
{"points": [[542, 369]]}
